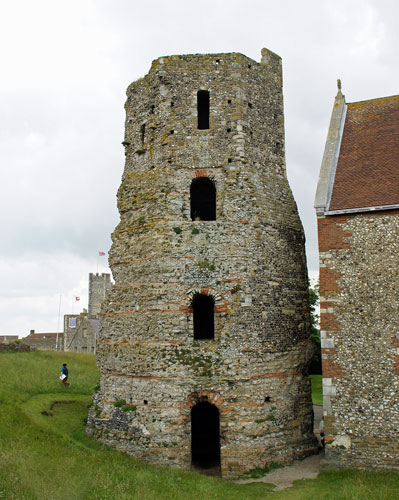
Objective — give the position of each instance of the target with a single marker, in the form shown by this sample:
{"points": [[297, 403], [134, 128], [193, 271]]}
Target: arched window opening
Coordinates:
{"points": [[205, 437], [203, 199], [203, 109], [203, 317]]}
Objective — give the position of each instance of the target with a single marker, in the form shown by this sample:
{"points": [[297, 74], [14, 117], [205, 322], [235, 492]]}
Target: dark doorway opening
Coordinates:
{"points": [[203, 199], [203, 317], [203, 109], [205, 437]]}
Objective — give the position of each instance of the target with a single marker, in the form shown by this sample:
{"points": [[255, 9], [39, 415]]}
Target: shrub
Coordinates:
{"points": [[128, 408], [120, 403], [204, 264]]}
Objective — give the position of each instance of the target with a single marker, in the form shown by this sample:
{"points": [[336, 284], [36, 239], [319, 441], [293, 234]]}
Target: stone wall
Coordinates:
{"points": [[83, 336], [99, 286], [250, 260], [15, 346], [71, 325], [6, 339], [359, 279]]}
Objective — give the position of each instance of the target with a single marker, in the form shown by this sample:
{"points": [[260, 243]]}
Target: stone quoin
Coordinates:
{"points": [[204, 342]]}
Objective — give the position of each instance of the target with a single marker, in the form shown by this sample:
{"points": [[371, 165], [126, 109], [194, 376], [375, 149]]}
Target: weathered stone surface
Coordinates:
{"points": [[99, 286], [250, 260], [80, 332], [359, 321], [16, 346]]}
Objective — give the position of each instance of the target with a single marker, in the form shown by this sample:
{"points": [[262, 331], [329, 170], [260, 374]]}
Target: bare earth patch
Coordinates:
{"points": [[308, 468], [283, 478]]}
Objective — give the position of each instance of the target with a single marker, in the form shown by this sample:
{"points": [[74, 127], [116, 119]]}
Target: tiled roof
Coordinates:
{"points": [[367, 173], [35, 336]]}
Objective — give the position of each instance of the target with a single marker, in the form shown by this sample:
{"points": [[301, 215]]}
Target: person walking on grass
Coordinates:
{"points": [[64, 375]]}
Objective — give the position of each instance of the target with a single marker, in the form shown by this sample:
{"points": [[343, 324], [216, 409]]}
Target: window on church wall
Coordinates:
{"points": [[203, 317], [203, 199], [203, 109]]}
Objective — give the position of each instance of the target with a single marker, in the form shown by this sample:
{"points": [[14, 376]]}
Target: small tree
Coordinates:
{"points": [[314, 297]]}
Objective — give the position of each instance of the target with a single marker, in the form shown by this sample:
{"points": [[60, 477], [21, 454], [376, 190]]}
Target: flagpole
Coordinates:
{"points": [[58, 324], [99, 254]]}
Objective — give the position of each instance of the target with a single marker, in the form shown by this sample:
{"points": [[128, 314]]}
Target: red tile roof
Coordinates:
{"points": [[35, 336], [367, 173]]}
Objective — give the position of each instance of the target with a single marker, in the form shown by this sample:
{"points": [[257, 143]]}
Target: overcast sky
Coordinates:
{"points": [[65, 67]]}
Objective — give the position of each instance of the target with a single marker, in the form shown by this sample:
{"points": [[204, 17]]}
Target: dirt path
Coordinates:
{"points": [[283, 478], [308, 468]]}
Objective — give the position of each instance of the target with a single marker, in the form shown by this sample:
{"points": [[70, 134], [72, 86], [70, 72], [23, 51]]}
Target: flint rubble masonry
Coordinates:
{"points": [[357, 204], [250, 260]]}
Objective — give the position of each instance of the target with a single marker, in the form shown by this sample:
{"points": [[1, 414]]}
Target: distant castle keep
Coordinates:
{"points": [[357, 205], [204, 342], [81, 330], [99, 286]]}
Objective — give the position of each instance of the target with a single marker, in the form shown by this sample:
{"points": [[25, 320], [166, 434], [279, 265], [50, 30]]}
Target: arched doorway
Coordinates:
{"points": [[205, 437]]}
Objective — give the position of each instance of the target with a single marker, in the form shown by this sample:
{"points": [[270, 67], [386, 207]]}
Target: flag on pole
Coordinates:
{"points": [[101, 254], [77, 299]]}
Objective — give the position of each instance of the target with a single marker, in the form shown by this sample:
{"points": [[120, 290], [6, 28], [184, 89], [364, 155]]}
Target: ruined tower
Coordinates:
{"points": [[204, 342]]}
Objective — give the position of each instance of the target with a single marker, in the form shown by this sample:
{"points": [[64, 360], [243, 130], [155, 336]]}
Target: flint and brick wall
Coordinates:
{"points": [[250, 260], [359, 302]]}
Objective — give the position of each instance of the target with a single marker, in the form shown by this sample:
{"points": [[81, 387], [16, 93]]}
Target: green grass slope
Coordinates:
{"points": [[317, 389], [45, 454]]}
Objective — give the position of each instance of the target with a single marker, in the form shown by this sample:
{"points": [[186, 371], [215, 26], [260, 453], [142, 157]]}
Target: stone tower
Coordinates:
{"points": [[99, 286], [204, 343]]}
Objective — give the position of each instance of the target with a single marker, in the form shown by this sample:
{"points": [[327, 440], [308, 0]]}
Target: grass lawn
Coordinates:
{"points": [[317, 389], [45, 454]]}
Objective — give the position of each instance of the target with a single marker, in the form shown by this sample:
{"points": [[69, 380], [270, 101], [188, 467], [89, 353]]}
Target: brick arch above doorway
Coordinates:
{"points": [[208, 396], [220, 302]]}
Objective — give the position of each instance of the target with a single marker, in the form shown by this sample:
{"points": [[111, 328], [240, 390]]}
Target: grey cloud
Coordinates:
{"points": [[62, 108]]}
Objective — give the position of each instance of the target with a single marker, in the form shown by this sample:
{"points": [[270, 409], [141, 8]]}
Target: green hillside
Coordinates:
{"points": [[45, 454], [317, 391]]}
